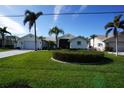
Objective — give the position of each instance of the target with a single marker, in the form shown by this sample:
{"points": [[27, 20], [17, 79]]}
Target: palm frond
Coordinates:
{"points": [[117, 18], [61, 31], [38, 14], [30, 24], [55, 30], [121, 27], [27, 18], [50, 32], [28, 12], [4, 30], [108, 25], [108, 31], [7, 32], [93, 36]]}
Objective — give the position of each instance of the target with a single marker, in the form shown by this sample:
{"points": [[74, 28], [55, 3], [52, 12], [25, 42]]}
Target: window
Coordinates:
{"points": [[78, 42], [100, 44]]}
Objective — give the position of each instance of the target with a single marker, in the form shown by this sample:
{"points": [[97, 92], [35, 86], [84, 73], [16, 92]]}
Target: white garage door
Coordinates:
{"points": [[121, 47], [29, 45]]}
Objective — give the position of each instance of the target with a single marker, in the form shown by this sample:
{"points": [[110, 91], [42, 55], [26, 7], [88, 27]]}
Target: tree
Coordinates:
{"points": [[93, 37], [55, 30], [3, 32], [115, 26], [31, 18]]}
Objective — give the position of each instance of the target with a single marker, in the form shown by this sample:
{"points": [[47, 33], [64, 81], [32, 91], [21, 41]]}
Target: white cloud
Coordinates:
{"points": [[12, 26], [57, 10], [81, 9]]}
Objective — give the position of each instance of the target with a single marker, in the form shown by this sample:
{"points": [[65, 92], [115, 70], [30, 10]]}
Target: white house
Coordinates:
{"points": [[28, 42], [98, 43], [78, 43], [111, 42]]}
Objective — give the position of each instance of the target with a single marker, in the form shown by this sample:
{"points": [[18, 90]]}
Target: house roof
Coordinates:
{"points": [[67, 36], [101, 37], [27, 35], [111, 38], [49, 39], [78, 37], [31, 35]]}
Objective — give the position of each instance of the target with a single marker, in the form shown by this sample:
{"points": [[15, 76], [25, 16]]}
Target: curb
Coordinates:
{"points": [[75, 62]]}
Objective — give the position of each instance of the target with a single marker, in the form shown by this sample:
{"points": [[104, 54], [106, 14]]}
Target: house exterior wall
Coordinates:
{"points": [[27, 39], [98, 44], [120, 46], [112, 43], [82, 45]]}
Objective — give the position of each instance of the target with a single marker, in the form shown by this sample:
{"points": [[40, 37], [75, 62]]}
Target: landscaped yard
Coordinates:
{"points": [[35, 69]]}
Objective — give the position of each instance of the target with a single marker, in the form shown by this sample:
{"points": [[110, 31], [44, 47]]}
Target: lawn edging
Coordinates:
{"points": [[85, 63]]}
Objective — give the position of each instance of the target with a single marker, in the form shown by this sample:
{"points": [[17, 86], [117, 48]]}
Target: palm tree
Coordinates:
{"points": [[114, 26], [93, 37], [31, 18], [55, 30], [3, 32]]}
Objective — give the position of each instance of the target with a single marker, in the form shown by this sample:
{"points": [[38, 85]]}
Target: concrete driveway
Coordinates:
{"points": [[119, 53], [12, 53]]}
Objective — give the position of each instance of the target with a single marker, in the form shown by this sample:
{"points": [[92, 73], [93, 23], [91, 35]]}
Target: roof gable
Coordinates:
{"points": [[101, 37], [81, 37], [67, 36]]}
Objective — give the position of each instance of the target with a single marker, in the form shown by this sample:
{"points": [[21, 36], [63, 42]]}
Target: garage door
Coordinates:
{"points": [[121, 47], [29, 45]]}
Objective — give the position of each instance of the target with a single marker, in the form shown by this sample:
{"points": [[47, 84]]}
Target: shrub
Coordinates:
{"points": [[78, 56], [9, 46], [107, 48]]}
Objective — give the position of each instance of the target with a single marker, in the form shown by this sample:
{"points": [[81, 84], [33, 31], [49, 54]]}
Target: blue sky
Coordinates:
{"points": [[84, 25]]}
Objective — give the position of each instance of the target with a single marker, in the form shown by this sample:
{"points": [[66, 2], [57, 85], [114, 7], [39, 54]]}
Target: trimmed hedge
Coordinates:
{"points": [[81, 56]]}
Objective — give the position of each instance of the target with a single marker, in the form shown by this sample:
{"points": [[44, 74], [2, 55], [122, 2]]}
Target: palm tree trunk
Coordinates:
{"points": [[35, 36], [117, 45]]}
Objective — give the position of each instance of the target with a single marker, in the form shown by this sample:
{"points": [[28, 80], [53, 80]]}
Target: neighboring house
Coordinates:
{"points": [[63, 41], [28, 42], [99, 43], [49, 43], [111, 42], [78, 43], [11, 41]]}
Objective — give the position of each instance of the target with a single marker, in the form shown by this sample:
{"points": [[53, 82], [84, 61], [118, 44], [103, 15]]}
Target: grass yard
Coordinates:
{"points": [[35, 69], [4, 49]]}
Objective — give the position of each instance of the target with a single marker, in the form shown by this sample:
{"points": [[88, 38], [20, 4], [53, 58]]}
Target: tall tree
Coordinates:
{"points": [[93, 37], [3, 32], [115, 26], [55, 30], [31, 18]]}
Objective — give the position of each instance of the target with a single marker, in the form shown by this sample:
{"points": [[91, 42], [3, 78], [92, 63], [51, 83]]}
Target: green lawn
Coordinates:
{"points": [[4, 49], [35, 69]]}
